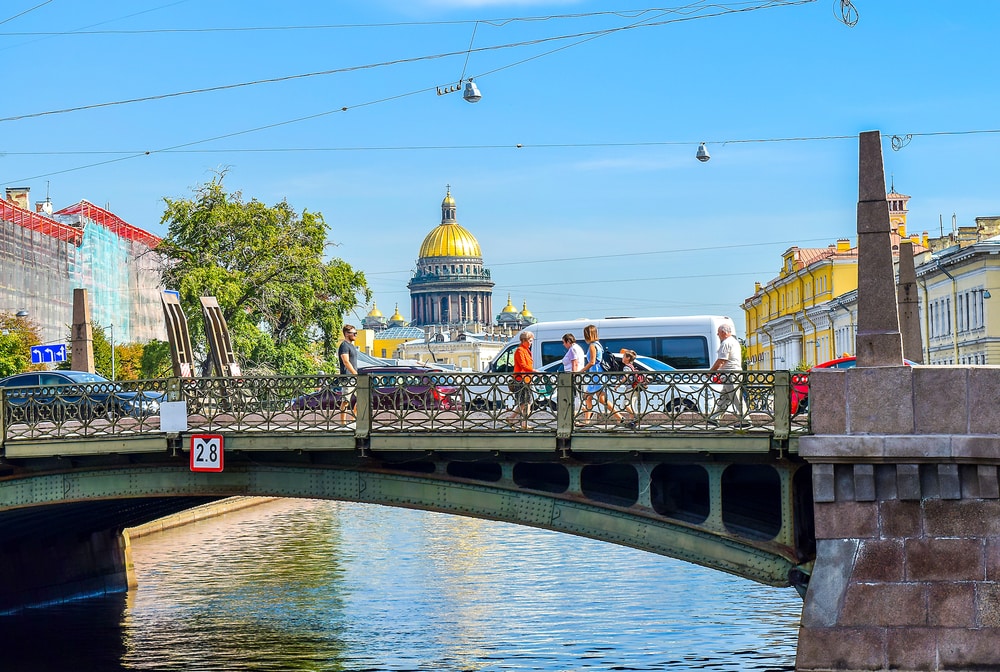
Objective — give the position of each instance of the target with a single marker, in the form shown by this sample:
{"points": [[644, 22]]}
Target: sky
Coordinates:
{"points": [[576, 172]]}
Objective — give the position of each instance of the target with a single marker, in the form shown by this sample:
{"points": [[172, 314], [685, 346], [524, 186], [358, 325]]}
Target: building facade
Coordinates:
{"points": [[808, 313], [45, 255], [451, 286]]}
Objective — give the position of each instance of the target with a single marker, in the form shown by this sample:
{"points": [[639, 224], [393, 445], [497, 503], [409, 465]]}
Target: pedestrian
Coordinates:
{"points": [[729, 358], [574, 358], [635, 383], [347, 353], [594, 385], [521, 385]]}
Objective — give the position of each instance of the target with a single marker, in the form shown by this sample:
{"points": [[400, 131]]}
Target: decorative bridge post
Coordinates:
{"points": [[907, 495]]}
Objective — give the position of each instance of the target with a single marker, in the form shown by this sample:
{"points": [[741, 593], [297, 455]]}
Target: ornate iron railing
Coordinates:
{"points": [[563, 403]]}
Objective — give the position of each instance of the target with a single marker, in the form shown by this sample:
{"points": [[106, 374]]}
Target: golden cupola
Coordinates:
{"points": [[509, 308], [450, 239], [527, 313]]}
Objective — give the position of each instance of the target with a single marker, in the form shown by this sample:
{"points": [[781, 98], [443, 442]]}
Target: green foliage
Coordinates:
{"points": [[155, 361], [265, 267], [17, 335]]}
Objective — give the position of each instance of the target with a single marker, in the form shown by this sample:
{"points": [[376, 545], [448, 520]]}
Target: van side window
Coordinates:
{"points": [[554, 351], [642, 346], [684, 352], [504, 362]]}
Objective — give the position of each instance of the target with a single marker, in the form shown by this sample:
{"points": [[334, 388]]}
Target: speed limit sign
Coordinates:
{"points": [[206, 452]]}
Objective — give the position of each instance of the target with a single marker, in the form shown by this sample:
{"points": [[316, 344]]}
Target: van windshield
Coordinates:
{"points": [[504, 362]]}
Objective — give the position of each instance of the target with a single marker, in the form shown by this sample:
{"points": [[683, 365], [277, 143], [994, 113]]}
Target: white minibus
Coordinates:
{"points": [[689, 342]]}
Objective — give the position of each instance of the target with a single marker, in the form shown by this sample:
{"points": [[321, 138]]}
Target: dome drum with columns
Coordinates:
{"points": [[450, 286]]}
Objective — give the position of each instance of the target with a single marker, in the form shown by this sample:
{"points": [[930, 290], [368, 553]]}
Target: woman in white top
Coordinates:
{"points": [[573, 361]]}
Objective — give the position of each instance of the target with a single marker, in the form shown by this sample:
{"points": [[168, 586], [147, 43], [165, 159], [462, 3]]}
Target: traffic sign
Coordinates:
{"points": [[42, 354], [206, 452]]}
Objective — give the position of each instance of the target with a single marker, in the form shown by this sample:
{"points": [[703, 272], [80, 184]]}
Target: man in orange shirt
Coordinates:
{"points": [[523, 394]]}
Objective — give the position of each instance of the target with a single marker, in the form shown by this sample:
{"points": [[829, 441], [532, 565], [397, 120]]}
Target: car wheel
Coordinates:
{"points": [[681, 406]]}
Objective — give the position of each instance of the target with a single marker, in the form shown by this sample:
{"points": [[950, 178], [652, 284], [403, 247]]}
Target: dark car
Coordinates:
{"points": [[800, 381], [66, 395], [393, 387]]}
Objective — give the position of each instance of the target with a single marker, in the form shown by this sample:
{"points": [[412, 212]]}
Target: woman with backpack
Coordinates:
{"points": [[593, 385]]}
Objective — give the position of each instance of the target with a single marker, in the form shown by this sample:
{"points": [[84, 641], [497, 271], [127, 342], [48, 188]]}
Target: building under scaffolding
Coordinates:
{"points": [[45, 255]]}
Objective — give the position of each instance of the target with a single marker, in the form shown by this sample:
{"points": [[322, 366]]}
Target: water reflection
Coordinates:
{"points": [[299, 584]]}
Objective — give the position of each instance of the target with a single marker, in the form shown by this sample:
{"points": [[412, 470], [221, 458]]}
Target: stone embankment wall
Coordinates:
{"points": [[907, 504]]}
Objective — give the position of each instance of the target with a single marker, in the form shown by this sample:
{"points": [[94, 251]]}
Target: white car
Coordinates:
{"points": [[670, 394]]}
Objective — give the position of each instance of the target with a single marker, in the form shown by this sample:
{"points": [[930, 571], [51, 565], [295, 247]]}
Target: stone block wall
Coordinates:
{"points": [[906, 483]]}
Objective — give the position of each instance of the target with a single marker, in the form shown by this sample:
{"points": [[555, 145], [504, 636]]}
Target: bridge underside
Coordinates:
{"points": [[61, 518]]}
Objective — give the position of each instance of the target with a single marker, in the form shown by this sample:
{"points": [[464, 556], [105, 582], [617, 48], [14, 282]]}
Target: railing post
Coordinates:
{"points": [[3, 419], [174, 389], [363, 408], [782, 404], [564, 405]]}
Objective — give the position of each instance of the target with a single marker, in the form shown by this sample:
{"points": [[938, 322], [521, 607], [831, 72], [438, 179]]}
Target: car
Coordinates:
{"points": [[63, 395], [676, 397], [393, 388], [800, 380]]}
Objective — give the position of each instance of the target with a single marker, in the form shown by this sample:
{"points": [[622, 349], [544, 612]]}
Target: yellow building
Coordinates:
{"points": [[800, 318], [956, 286]]}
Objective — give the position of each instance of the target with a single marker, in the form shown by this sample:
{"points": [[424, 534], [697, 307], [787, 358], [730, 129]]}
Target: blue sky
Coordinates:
{"points": [[602, 211]]}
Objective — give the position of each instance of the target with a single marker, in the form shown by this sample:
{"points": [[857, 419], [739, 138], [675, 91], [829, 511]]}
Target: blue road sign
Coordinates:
{"points": [[42, 354]]}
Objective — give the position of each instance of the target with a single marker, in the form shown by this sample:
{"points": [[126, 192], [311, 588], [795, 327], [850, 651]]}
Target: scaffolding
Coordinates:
{"points": [[43, 258]]}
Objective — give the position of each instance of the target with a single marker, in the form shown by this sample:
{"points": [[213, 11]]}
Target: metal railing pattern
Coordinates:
{"points": [[672, 402]]}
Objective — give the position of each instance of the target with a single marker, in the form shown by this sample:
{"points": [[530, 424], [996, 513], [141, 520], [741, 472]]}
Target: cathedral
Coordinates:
{"points": [[451, 287], [451, 290]]}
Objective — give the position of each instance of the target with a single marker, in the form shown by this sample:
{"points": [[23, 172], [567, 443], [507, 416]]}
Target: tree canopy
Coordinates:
{"points": [[17, 335], [283, 303]]}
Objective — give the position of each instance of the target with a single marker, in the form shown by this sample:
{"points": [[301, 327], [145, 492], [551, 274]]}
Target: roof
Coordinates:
{"points": [[37, 222], [400, 333], [112, 222]]}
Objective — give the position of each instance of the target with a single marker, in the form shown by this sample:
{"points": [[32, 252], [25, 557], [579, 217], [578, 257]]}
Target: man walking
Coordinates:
{"points": [[347, 353], [729, 358]]}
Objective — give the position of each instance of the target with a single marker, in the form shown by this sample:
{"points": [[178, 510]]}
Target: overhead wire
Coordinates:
{"points": [[498, 23], [27, 11], [588, 36]]}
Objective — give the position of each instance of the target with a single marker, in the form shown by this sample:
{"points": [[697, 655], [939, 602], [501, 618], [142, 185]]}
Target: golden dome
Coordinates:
{"points": [[375, 311], [396, 317], [526, 312], [509, 308], [450, 239]]}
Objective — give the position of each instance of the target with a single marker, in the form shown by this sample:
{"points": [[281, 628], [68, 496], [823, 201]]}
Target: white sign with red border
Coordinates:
{"points": [[206, 452]]}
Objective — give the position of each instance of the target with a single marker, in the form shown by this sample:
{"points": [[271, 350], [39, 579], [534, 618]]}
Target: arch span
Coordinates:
{"points": [[104, 500]]}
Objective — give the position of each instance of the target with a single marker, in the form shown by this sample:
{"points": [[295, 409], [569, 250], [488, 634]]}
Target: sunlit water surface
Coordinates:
{"points": [[309, 585]]}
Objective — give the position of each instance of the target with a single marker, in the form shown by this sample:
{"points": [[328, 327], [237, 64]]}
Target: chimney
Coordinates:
{"points": [[19, 197], [843, 245], [44, 207]]}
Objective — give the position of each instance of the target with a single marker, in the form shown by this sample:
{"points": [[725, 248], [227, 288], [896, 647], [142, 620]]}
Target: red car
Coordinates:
{"points": [[800, 380], [393, 387]]}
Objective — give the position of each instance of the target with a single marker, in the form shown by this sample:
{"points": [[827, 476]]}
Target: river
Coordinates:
{"points": [[312, 585]]}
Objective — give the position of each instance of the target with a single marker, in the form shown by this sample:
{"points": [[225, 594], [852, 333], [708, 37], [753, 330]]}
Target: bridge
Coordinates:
{"points": [[82, 462]]}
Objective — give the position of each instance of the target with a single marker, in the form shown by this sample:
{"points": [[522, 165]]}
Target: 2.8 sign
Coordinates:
{"points": [[206, 452]]}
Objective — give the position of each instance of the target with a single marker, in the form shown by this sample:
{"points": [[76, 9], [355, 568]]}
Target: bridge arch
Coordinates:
{"points": [[589, 500]]}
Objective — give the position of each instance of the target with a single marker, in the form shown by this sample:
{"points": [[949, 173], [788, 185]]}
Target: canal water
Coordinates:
{"points": [[310, 585]]}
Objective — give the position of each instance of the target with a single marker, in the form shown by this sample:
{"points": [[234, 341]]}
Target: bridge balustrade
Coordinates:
{"points": [[675, 402]]}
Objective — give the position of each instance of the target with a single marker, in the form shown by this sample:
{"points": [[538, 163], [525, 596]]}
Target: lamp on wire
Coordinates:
{"points": [[702, 153], [472, 94]]}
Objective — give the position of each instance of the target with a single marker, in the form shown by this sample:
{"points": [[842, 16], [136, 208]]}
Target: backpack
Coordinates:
{"points": [[609, 362]]}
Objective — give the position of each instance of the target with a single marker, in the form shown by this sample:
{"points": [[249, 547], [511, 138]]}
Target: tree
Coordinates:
{"points": [[264, 265], [17, 335]]}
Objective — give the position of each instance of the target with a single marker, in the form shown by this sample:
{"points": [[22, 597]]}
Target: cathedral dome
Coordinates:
{"points": [[449, 238], [509, 308], [375, 312], [526, 312]]}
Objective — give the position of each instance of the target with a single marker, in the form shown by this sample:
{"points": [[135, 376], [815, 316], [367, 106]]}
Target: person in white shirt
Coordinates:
{"points": [[729, 358], [574, 359]]}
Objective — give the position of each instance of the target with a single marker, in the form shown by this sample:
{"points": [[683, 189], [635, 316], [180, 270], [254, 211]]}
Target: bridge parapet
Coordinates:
{"points": [[674, 403], [907, 505]]}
